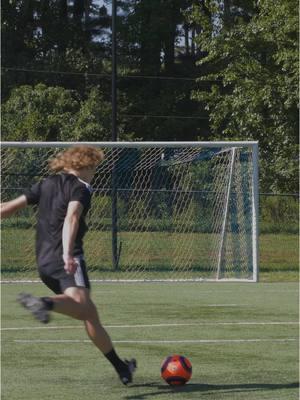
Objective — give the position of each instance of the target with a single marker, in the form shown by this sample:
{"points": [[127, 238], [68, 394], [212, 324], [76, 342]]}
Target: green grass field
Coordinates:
{"points": [[242, 340], [278, 254]]}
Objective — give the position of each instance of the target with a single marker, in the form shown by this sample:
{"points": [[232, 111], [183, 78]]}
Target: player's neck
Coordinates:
{"points": [[81, 174]]}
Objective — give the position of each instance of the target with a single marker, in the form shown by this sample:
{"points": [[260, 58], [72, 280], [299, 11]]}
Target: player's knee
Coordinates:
{"points": [[87, 309]]}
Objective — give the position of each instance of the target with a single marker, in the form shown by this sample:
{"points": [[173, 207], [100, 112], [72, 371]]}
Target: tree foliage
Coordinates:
{"points": [[56, 114], [39, 113], [253, 64], [56, 65]]}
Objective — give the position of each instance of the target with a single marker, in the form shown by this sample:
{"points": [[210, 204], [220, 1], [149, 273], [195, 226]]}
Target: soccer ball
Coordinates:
{"points": [[176, 370]]}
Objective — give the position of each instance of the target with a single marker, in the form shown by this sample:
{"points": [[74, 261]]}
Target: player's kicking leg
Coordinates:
{"points": [[76, 303], [36, 305]]}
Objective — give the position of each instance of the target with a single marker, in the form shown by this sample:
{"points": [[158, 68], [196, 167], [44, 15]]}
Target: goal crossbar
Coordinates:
{"points": [[133, 144]]}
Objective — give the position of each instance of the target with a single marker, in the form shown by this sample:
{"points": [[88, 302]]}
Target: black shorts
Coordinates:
{"points": [[55, 277]]}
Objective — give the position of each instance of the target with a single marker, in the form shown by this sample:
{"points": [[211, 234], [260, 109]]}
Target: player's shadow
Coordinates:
{"points": [[206, 389]]}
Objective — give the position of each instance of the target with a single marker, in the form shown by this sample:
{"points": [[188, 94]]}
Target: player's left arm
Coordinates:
{"points": [[9, 208], [69, 233]]}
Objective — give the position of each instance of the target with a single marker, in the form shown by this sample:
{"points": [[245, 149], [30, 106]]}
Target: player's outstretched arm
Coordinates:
{"points": [[8, 208]]}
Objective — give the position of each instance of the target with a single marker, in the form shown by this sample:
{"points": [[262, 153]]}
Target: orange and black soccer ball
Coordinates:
{"points": [[176, 370]]}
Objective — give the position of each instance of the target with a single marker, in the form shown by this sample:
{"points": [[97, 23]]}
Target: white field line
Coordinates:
{"points": [[241, 323], [188, 341], [224, 305]]}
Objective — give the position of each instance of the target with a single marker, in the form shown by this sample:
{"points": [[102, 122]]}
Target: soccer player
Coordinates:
{"points": [[63, 200]]}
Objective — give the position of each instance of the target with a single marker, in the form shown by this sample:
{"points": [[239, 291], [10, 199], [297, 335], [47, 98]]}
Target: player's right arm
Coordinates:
{"points": [[9, 208], [31, 196]]}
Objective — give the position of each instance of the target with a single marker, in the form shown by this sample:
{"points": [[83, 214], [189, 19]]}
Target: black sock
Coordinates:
{"points": [[115, 360], [48, 303]]}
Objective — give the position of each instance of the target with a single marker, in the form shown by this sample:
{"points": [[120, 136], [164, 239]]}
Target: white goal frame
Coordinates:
{"points": [[229, 145]]}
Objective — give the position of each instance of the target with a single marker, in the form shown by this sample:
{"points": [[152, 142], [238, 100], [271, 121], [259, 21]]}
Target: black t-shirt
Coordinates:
{"points": [[52, 195]]}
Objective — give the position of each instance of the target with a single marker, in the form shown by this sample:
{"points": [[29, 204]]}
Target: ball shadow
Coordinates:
{"points": [[205, 389]]}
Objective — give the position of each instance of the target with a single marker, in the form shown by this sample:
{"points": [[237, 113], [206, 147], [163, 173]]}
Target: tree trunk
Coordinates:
{"points": [[193, 47], [226, 15], [150, 38], [186, 40]]}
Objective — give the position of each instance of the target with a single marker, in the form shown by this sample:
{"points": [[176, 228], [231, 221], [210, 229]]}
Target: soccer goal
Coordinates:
{"points": [[160, 210]]}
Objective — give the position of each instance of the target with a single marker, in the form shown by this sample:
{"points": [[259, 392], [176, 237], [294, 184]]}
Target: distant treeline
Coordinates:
{"points": [[187, 70]]}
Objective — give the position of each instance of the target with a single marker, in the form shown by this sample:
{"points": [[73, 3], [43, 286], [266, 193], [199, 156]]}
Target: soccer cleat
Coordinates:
{"points": [[126, 374], [35, 305]]}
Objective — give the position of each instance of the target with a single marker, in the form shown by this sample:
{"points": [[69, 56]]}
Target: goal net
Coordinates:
{"points": [[160, 211]]}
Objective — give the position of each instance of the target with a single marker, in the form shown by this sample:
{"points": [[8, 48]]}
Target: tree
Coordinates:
{"points": [[57, 114], [51, 36], [254, 66], [149, 44], [93, 121], [39, 113]]}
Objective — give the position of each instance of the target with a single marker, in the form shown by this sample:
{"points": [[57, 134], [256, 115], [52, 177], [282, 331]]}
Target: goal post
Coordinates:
{"points": [[186, 211]]}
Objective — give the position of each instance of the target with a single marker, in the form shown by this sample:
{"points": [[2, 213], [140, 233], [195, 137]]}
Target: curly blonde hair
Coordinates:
{"points": [[76, 158]]}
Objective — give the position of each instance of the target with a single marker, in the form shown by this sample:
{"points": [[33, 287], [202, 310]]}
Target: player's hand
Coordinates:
{"points": [[70, 264]]}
